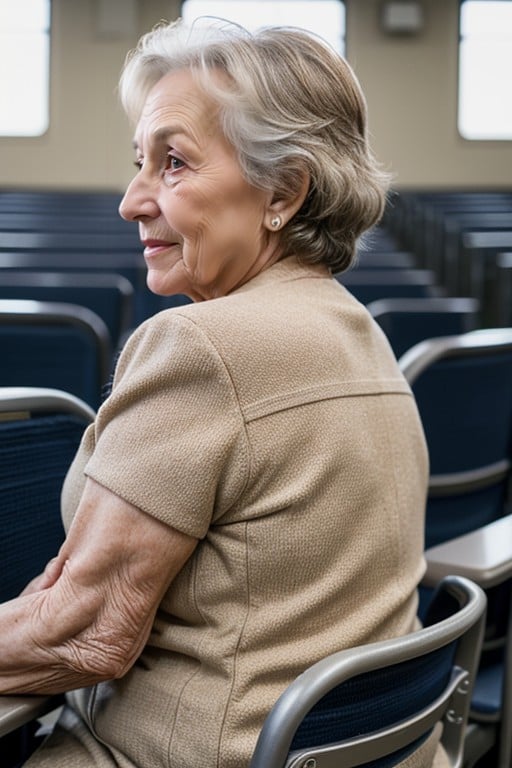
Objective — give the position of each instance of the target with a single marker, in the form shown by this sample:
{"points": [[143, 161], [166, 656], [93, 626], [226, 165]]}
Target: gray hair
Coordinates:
{"points": [[289, 104]]}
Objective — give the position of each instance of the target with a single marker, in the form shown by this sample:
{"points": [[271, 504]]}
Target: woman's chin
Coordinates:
{"points": [[164, 285]]}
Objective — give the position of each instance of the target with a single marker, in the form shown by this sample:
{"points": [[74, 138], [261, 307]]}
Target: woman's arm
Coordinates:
{"points": [[89, 615]]}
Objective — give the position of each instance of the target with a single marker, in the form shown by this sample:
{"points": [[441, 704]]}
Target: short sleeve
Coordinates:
{"points": [[170, 439]]}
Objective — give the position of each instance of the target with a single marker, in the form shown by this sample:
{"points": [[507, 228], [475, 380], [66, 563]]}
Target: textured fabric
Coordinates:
{"points": [[35, 454], [376, 699], [60, 356], [429, 754], [274, 425]]}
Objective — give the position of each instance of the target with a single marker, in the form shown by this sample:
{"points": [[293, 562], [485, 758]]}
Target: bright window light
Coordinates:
{"points": [[24, 67], [485, 69], [325, 18]]}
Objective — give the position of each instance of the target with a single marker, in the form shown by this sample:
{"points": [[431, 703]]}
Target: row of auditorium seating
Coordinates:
{"points": [[463, 387], [465, 238], [73, 267], [406, 298], [460, 371], [74, 232], [447, 313], [49, 240]]}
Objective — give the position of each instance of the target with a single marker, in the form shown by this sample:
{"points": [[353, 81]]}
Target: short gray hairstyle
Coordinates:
{"points": [[289, 104]]}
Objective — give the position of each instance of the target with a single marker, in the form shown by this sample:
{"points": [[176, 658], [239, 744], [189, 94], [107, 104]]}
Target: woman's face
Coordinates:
{"points": [[205, 229]]}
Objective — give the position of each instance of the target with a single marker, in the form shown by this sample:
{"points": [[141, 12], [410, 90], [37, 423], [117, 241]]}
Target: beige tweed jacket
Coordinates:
{"points": [[274, 425]]}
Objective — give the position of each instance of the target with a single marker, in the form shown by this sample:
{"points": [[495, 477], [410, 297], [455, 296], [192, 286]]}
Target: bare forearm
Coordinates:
{"points": [[55, 640], [88, 616], [26, 665]]}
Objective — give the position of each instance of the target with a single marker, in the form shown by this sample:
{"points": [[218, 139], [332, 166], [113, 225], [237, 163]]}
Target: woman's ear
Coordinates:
{"points": [[281, 209]]}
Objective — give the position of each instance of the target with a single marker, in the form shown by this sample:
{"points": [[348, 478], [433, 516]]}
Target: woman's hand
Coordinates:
{"points": [[87, 617]]}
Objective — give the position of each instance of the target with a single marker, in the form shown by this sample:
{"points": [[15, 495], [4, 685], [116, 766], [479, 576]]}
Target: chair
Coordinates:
{"points": [[478, 252], [378, 703], [463, 388], [378, 238], [50, 344], [372, 259], [501, 290], [371, 284], [409, 321], [456, 225], [85, 242], [485, 556], [33, 219], [40, 430], [65, 201], [109, 295], [128, 264]]}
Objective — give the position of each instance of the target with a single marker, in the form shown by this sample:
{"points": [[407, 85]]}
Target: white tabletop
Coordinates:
{"points": [[15, 711], [484, 555]]}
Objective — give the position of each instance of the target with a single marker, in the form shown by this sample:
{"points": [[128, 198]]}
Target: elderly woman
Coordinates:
{"points": [[251, 495]]}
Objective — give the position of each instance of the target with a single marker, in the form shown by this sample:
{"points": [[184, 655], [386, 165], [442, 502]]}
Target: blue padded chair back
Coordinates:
{"points": [[372, 284], [108, 295], [385, 259], [376, 704], [37, 445], [376, 700], [466, 409], [61, 346], [463, 387], [409, 321]]}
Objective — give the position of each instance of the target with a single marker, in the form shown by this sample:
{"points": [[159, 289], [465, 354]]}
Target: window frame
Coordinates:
{"points": [[472, 135], [45, 35]]}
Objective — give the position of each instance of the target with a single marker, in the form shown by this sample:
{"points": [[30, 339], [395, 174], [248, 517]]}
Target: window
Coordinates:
{"points": [[485, 69], [24, 67], [326, 18]]}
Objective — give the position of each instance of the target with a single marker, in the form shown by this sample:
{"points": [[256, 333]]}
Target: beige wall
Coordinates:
{"points": [[411, 88], [88, 144], [410, 85]]}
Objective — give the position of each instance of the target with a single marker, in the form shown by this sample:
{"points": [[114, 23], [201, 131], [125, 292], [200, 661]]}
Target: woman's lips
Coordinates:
{"points": [[153, 247]]}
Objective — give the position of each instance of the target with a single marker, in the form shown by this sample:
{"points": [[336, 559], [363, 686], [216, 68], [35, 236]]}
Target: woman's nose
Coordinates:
{"points": [[138, 201]]}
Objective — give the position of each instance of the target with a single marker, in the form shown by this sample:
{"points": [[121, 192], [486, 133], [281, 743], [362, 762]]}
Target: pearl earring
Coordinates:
{"points": [[276, 222]]}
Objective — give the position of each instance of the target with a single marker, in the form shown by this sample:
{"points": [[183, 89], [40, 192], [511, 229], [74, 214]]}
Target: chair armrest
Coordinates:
{"points": [[15, 711], [484, 556]]}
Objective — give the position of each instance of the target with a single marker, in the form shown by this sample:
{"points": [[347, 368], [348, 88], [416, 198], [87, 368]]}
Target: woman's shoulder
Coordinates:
{"points": [[284, 286]]}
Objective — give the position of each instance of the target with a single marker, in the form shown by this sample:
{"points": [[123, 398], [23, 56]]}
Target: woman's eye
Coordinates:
{"points": [[173, 163]]}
